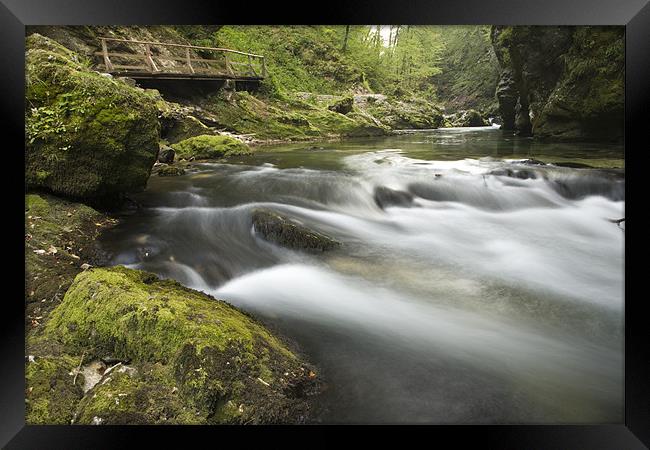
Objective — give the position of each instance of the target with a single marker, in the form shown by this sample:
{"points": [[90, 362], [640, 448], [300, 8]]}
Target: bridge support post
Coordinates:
{"points": [[189, 60], [149, 59], [107, 61]]}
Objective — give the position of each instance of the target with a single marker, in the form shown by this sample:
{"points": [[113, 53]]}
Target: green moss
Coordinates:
{"points": [[215, 354], [170, 171], [130, 396], [210, 147], [50, 395], [183, 128], [412, 114], [60, 236], [589, 99], [78, 118]]}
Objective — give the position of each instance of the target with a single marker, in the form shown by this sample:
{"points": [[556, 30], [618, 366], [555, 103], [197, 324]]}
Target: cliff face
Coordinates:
{"points": [[561, 82]]}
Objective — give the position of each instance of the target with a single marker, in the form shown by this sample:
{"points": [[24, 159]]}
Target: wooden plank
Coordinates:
{"points": [[124, 55], [121, 66], [184, 59]]}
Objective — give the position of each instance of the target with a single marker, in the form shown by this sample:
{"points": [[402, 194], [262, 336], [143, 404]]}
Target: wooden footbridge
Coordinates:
{"points": [[143, 60]]}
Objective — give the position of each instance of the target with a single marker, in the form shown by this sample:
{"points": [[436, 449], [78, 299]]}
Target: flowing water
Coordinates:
{"points": [[489, 290]]}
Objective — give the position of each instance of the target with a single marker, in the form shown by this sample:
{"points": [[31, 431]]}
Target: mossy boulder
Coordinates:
{"points": [[403, 114], [468, 118], [343, 105], [87, 134], [184, 127], [210, 147], [170, 171], [225, 366], [52, 391], [286, 232]]}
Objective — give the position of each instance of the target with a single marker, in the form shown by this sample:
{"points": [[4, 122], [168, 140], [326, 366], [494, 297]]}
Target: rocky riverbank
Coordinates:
{"points": [[114, 345]]}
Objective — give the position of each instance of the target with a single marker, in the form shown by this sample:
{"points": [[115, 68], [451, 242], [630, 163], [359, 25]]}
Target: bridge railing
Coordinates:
{"points": [[123, 56]]}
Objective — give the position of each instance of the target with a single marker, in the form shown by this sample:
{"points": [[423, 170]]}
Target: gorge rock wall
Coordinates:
{"points": [[561, 82]]}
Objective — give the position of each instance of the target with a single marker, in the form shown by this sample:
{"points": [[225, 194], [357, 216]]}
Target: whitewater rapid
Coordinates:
{"points": [[495, 293]]}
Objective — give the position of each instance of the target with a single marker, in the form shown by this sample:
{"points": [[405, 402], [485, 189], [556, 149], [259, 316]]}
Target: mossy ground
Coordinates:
{"points": [[224, 366], [59, 238]]}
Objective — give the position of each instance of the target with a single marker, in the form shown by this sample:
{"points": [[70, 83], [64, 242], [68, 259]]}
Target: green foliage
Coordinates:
{"points": [[312, 58], [469, 68]]}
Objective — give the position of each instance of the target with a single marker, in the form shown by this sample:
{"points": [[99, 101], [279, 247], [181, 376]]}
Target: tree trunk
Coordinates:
{"points": [[345, 40]]}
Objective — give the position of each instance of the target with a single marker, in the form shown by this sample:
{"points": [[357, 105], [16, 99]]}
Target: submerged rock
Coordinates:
{"points": [[87, 136], [385, 197], [522, 174], [532, 162], [170, 171], [194, 359], [283, 231]]}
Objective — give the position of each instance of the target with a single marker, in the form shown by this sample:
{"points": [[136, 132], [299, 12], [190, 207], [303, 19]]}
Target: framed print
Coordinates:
{"points": [[380, 217]]}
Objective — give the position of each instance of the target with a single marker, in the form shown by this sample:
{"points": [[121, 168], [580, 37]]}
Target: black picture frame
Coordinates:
{"points": [[633, 14]]}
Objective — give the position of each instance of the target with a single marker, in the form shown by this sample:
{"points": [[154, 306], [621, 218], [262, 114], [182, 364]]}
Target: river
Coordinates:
{"points": [[492, 292]]}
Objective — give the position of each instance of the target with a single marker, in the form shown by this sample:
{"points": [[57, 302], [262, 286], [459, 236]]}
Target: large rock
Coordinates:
{"points": [[286, 232], [343, 105], [183, 127], [468, 118], [210, 147], [191, 358], [166, 155], [87, 135], [561, 82]]}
